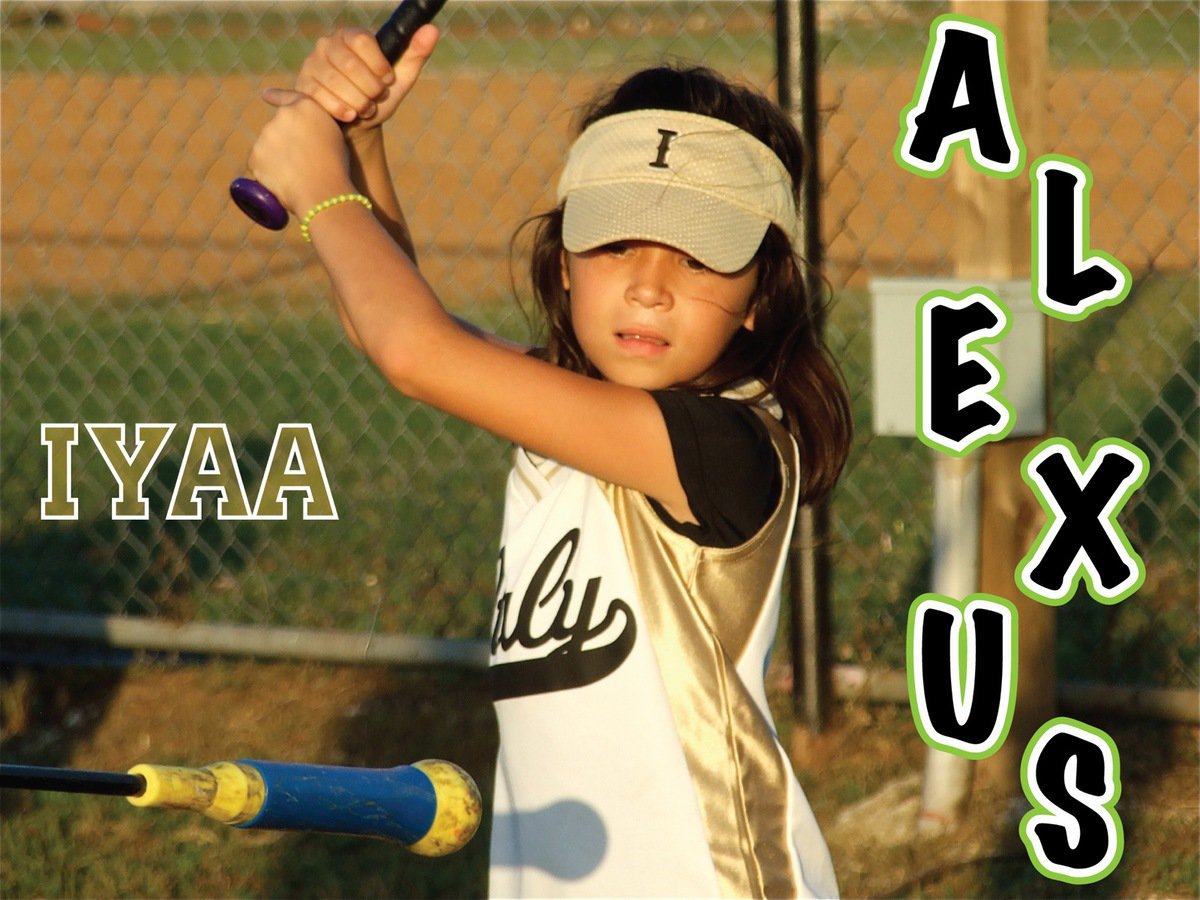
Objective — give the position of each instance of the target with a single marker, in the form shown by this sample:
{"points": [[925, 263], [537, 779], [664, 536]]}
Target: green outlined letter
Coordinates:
{"points": [[962, 672], [1070, 280], [1082, 540], [957, 409], [962, 97], [1071, 773]]}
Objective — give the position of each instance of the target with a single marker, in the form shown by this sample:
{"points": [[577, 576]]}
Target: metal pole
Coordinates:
{"points": [[797, 51], [325, 645]]}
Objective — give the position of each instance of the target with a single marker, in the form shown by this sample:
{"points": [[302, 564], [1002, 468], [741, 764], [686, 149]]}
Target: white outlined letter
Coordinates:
{"points": [[1071, 773], [130, 469], [1070, 280], [59, 438], [956, 408], [209, 466], [1083, 539], [300, 469], [962, 97], [962, 672]]}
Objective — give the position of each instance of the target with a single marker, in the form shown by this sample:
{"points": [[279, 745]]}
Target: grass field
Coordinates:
{"points": [[485, 36], [479, 37], [416, 493], [58, 845]]}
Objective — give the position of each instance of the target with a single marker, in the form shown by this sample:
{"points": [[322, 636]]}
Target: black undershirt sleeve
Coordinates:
{"points": [[727, 466]]}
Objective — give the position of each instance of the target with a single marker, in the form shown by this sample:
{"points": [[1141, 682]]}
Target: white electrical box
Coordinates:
{"points": [[1021, 352]]}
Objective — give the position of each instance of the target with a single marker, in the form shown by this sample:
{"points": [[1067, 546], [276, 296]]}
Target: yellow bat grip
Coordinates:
{"points": [[231, 793]]}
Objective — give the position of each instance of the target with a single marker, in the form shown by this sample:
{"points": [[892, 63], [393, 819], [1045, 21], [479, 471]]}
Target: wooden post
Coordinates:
{"points": [[993, 244]]}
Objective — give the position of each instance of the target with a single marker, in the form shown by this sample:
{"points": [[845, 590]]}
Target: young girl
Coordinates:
{"points": [[681, 411]]}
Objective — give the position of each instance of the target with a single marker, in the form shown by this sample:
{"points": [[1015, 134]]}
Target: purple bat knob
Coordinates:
{"points": [[258, 203]]}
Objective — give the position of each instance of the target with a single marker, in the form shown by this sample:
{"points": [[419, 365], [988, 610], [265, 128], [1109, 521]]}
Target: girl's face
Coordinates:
{"points": [[650, 316]]}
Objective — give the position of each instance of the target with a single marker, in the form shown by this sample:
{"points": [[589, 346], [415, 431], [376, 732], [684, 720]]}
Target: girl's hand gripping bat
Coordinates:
{"points": [[259, 203]]}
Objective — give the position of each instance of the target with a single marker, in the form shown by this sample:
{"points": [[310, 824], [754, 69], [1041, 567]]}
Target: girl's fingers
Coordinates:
{"points": [[365, 49], [335, 106], [419, 50], [281, 96], [340, 97], [357, 65], [346, 73], [350, 78]]}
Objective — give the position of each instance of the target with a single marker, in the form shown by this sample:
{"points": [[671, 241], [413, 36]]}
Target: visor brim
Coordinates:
{"points": [[719, 234]]}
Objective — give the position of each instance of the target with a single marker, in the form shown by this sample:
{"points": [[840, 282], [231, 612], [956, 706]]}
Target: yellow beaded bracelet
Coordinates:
{"points": [[326, 204]]}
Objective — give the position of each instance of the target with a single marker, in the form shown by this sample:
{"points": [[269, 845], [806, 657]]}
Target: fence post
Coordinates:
{"points": [[808, 567]]}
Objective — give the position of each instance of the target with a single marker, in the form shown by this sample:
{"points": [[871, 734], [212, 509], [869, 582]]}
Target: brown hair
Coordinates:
{"points": [[784, 351]]}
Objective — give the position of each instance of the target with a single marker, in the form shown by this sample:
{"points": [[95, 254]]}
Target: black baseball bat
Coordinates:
{"points": [[259, 203], [74, 781]]}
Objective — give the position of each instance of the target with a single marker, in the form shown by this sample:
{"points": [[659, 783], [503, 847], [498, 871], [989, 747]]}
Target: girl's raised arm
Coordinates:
{"points": [[614, 432], [350, 78]]}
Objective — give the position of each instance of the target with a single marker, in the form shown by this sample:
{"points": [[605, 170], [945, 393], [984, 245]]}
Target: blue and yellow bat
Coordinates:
{"points": [[432, 807]]}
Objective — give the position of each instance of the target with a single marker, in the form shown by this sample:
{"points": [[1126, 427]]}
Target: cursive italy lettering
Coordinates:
{"points": [[573, 659]]}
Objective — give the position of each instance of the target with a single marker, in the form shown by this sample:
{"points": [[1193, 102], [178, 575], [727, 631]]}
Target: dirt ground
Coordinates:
{"points": [[120, 184], [862, 774]]}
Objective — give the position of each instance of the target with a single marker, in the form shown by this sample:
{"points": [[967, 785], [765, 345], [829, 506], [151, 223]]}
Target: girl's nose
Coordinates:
{"points": [[649, 285]]}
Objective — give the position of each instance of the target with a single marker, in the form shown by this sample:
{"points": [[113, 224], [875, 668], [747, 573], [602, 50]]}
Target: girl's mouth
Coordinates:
{"points": [[642, 343]]}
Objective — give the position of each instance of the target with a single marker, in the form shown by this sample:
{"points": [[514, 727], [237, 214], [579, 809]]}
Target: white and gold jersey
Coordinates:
{"points": [[637, 753]]}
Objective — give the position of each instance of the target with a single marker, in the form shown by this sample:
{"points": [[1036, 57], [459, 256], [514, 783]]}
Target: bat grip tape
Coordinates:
{"points": [[398, 803]]}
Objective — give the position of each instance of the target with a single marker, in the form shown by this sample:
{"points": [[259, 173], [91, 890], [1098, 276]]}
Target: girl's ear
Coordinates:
{"points": [[748, 322], [566, 274]]}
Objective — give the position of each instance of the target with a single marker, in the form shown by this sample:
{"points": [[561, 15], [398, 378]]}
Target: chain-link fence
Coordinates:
{"points": [[134, 292], [1121, 98]]}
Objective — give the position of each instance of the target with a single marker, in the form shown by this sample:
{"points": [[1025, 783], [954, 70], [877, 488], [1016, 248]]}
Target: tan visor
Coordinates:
{"points": [[691, 182]]}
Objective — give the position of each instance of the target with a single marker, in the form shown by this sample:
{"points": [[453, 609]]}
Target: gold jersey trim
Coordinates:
{"points": [[707, 609]]}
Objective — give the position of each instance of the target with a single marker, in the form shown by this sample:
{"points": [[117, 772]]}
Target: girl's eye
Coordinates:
{"points": [[695, 265], [616, 248]]}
